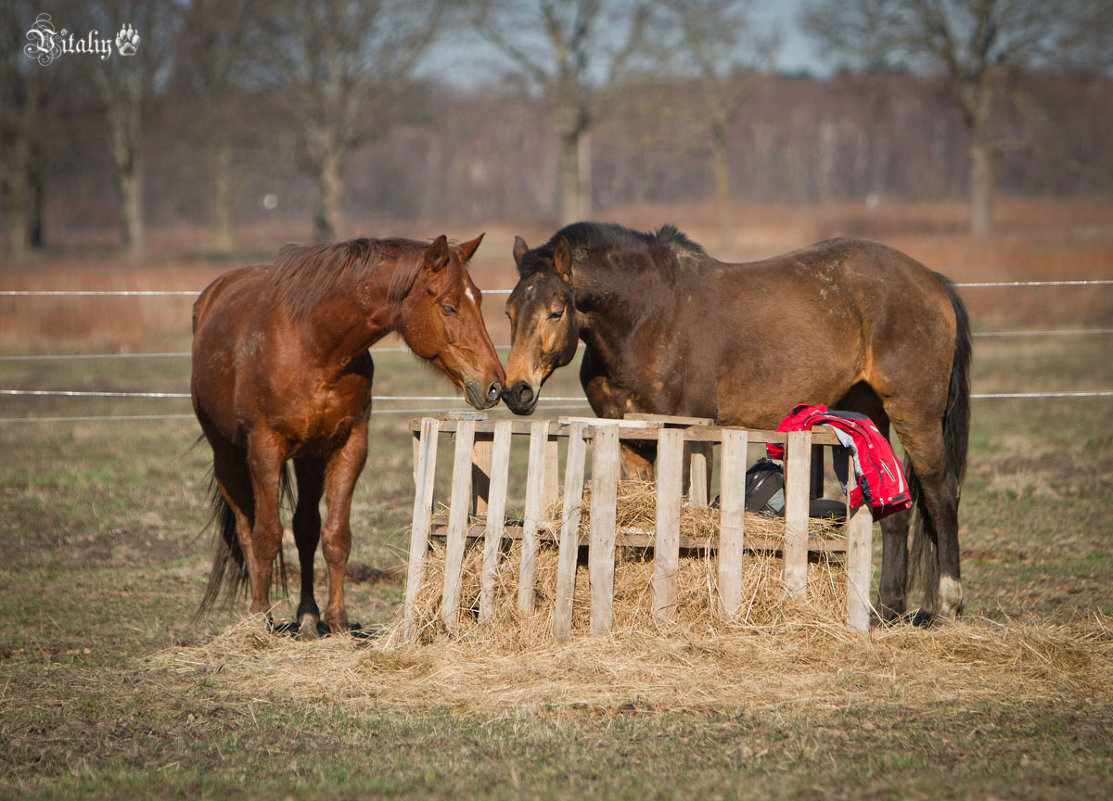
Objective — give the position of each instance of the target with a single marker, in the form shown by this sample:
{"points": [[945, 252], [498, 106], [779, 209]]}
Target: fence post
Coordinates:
{"points": [[496, 517], [732, 520], [699, 475], [666, 543], [425, 468], [604, 501], [535, 508], [569, 533], [797, 491], [459, 506], [859, 567]]}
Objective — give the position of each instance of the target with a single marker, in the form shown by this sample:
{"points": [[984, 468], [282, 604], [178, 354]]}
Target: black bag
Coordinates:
{"points": [[765, 488]]}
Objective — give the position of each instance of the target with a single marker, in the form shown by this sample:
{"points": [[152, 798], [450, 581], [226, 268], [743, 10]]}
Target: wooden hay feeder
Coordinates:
{"points": [[477, 511]]}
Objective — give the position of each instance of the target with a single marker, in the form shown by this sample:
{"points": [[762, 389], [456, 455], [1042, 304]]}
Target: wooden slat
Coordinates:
{"points": [[496, 518], [694, 433], [732, 521], [551, 488], [481, 472], [797, 487], [457, 522], [569, 534], [424, 472], [666, 553], [699, 475], [535, 500], [859, 568], [630, 537], [604, 500]]}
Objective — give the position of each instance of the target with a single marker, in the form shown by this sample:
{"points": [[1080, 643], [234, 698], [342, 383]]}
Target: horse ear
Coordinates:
{"points": [[436, 255], [469, 248], [520, 248], [562, 259]]}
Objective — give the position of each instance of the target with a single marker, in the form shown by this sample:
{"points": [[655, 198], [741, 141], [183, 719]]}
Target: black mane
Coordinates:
{"points": [[592, 236]]}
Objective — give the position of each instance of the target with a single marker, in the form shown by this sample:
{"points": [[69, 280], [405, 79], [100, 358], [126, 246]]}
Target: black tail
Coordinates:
{"points": [[228, 575], [956, 438]]}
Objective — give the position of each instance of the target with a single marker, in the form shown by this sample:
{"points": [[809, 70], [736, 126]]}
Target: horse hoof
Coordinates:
{"points": [[923, 619], [309, 627]]}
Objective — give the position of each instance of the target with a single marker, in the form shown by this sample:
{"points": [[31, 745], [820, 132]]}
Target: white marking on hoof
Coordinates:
{"points": [[307, 627], [950, 597]]}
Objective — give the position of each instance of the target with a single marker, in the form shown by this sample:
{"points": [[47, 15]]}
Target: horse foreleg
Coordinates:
{"points": [[341, 474], [265, 463], [307, 534]]}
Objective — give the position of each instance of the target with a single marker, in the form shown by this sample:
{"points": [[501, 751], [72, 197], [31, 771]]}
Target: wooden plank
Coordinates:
{"points": [[496, 518], [425, 470], [604, 505], [569, 534], [666, 552], [669, 419], [699, 474], [732, 521], [694, 433], [534, 511], [630, 537], [797, 487], [481, 472], [859, 567], [551, 488], [457, 522]]}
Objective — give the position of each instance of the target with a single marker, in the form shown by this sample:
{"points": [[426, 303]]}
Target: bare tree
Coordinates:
{"points": [[339, 67], [129, 83], [22, 82], [217, 50], [568, 50], [976, 43], [715, 42]]}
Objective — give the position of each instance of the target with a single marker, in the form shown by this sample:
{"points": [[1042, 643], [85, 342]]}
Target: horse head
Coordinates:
{"points": [[443, 322], [543, 326]]}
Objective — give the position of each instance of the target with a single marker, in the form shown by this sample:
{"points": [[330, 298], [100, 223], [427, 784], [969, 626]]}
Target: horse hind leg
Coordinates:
{"points": [[310, 474], [234, 508]]}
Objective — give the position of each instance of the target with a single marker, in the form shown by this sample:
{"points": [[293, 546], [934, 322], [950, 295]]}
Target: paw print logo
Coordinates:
{"points": [[127, 40]]}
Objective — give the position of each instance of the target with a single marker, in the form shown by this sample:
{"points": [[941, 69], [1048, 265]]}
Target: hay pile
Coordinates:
{"points": [[778, 653], [794, 665], [637, 510]]}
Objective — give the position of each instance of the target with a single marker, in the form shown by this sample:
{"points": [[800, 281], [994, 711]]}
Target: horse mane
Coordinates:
{"points": [[304, 275], [587, 236]]}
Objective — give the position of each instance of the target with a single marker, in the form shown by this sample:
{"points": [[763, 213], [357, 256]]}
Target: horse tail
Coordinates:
{"points": [[956, 439], [228, 574]]}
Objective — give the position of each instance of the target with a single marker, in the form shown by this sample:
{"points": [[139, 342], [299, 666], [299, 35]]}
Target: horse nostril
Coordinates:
{"points": [[525, 393], [493, 392]]}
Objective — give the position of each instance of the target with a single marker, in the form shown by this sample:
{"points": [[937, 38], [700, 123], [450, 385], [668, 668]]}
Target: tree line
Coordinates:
{"points": [[552, 109]]}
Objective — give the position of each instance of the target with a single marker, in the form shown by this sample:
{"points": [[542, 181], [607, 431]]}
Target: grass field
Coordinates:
{"points": [[108, 689]]}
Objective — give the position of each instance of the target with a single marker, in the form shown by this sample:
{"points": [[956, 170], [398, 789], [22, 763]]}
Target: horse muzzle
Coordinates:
{"points": [[479, 398], [521, 398]]}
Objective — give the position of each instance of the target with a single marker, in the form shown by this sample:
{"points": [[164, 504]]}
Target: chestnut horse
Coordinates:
{"points": [[851, 324], [281, 372]]}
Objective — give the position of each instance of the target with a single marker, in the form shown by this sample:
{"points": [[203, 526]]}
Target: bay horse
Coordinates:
{"points": [[852, 324], [281, 372]]}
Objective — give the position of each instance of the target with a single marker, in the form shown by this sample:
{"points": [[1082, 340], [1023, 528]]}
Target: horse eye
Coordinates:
{"points": [[448, 308], [557, 314]]}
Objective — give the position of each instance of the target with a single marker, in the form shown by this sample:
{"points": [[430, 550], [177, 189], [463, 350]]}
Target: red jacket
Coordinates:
{"points": [[881, 481]]}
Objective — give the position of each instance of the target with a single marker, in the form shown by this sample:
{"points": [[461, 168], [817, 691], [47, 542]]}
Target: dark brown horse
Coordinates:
{"points": [[281, 371], [851, 324]]}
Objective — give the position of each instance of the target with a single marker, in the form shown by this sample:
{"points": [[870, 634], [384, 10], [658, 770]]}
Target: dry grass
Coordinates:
{"points": [[776, 652], [683, 666]]}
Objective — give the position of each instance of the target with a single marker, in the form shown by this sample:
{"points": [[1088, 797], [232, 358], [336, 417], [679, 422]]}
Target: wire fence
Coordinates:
{"points": [[552, 403]]}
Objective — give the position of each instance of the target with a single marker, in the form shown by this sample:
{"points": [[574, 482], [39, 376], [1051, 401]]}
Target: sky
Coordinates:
{"points": [[464, 63]]}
